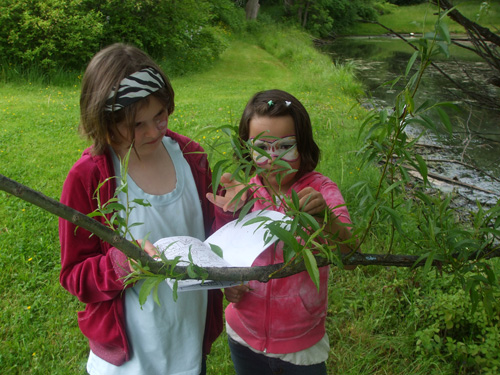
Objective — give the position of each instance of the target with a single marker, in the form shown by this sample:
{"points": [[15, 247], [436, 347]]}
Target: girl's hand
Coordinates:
{"points": [[311, 201], [148, 248], [232, 188], [236, 293]]}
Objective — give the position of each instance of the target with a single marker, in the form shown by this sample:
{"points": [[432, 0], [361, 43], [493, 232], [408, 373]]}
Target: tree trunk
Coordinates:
{"points": [[306, 13], [252, 9]]}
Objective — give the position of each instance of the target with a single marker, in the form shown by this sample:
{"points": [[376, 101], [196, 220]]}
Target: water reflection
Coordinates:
{"points": [[476, 135]]}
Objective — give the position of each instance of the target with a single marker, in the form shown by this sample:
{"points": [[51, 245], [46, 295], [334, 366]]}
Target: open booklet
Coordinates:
{"points": [[241, 244]]}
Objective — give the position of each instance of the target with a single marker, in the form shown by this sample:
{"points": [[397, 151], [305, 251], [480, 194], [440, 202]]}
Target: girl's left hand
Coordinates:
{"points": [[311, 201], [227, 201]]}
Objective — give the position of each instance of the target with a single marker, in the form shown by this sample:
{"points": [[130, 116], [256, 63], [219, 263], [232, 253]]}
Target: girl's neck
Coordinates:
{"points": [[153, 173]]}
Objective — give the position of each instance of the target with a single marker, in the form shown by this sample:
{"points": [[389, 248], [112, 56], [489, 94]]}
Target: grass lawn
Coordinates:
{"points": [[39, 142], [374, 313], [422, 17]]}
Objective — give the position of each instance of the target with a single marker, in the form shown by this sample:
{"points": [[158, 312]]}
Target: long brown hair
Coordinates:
{"points": [[104, 73]]}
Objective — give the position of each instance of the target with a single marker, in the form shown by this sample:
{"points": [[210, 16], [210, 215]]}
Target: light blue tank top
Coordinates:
{"points": [[164, 339]]}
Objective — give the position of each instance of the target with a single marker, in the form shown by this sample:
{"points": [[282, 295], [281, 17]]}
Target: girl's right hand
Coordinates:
{"points": [[235, 293], [231, 188], [148, 248]]}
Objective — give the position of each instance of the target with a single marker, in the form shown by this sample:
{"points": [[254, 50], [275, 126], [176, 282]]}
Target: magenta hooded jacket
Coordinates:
{"points": [[285, 315], [92, 270]]}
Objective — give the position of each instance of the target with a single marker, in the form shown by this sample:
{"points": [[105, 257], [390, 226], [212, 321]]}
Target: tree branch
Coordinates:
{"points": [[261, 273], [468, 25]]}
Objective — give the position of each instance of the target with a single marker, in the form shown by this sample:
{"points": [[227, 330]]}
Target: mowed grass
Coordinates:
{"points": [[39, 142], [371, 315], [422, 18]]}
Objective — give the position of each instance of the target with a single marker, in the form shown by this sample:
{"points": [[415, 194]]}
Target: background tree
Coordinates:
{"points": [[56, 34], [252, 9]]}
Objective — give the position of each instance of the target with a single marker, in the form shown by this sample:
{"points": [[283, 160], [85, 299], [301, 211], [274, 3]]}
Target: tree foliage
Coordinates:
{"points": [[48, 32], [324, 18], [66, 34]]}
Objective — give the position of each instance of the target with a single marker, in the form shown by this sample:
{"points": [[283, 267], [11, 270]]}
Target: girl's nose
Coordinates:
{"points": [[272, 153]]}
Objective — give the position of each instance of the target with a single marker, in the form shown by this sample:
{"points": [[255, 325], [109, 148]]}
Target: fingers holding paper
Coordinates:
{"points": [[235, 293], [230, 201]]}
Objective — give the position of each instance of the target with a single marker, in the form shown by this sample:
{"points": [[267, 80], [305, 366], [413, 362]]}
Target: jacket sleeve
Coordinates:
{"points": [[333, 197], [90, 269]]}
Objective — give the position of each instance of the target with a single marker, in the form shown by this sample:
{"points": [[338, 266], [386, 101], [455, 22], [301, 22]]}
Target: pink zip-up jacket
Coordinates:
{"points": [[92, 269], [285, 315]]}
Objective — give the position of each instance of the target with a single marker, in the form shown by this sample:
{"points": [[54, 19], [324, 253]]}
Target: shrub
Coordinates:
{"points": [[48, 33], [450, 327], [55, 34]]}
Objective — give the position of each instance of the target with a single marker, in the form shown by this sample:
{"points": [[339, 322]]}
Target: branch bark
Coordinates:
{"points": [[469, 25], [262, 273]]}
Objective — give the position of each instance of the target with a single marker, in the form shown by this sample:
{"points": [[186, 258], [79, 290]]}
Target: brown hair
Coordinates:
{"points": [[104, 73], [278, 103]]}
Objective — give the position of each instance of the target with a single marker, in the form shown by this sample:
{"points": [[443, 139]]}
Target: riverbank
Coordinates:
{"points": [[468, 169]]}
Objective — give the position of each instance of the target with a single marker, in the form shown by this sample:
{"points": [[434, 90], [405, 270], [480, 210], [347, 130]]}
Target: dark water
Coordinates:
{"points": [[476, 131]]}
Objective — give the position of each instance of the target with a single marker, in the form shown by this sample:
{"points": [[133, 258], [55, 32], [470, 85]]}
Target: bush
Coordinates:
{"points": [[65, 34], [48, 33], [227, 15], [451, 328]]}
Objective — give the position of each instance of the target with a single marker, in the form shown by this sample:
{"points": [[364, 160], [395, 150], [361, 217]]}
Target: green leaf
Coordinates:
{"points": [[393, 186], [422, 167], [142, 202], [445, 119], [191, 271], [285, 236], [443, 32], [217, 250], [395, 218], [217, 172], [295, 200], [311, 267], [146, 287], [411, 62], [174, 290]]}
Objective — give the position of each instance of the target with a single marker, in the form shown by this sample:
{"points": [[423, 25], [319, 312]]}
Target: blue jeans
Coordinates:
{"points": [[247, 362]]}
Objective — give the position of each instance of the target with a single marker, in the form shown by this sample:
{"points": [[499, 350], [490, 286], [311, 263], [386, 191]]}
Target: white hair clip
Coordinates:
{"points": [[288, 103]]}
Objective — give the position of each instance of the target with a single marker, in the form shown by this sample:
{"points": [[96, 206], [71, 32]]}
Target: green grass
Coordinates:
{"points": [[421, 18], [373, 312], [39, 142]]}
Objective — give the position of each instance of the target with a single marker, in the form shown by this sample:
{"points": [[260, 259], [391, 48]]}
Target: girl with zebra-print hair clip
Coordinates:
{"points": [[125, 104]]}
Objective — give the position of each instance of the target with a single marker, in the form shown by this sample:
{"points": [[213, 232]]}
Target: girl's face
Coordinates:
{"points": [[275, 136], [151, 122]]}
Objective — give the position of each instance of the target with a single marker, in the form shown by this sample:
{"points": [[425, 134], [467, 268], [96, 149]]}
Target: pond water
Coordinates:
{"points": [[475, 141]]}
